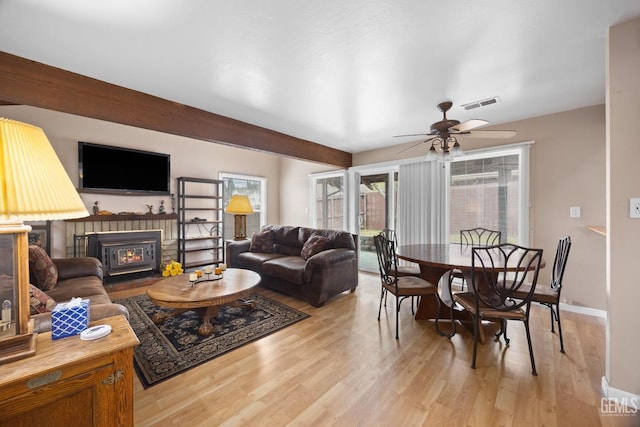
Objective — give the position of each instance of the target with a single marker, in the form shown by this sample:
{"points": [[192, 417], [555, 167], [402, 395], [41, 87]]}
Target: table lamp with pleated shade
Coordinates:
{"points": [[34, 186], [240, 206]]}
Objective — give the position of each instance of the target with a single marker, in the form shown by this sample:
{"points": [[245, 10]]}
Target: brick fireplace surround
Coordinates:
{"points": [[78, 229]]}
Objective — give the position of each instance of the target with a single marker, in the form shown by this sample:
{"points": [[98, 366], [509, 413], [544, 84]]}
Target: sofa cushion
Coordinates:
{"points": [[315, 244], [42, 271], [39, 301], [87, 287], [289, 268], [262, 242], [287, 250], [254, 260]]}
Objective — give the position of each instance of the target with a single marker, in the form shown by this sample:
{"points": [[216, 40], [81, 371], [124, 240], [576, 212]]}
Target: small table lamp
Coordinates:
{"points": [[33, 187], [240, 206]]}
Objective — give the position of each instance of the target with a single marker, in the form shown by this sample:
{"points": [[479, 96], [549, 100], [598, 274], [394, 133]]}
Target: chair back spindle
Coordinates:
{"points": [[480, 237]]}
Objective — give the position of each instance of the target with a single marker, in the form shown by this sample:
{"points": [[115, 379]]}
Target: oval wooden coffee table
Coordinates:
{"points": [[205, 297]]}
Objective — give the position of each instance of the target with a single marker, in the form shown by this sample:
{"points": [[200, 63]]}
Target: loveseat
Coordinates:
{"points": [[310, 264], [54, 280]]}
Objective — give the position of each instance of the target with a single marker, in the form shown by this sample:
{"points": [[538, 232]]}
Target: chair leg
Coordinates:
{"points": [[557, 312], [553, 318], [453, 323], [398, 301], [533, 363], [383, 295], [502, 332], [504, 324], [476, 332]]}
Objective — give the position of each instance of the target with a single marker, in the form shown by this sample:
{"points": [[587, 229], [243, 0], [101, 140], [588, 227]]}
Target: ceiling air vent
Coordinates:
{"points": [[483, 103]]}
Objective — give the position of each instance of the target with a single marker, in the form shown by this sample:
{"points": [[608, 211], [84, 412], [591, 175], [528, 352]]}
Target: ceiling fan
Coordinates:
{"points": [[444, 132]]}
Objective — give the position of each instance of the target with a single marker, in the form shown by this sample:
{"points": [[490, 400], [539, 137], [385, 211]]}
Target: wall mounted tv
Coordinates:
{"points": [[107, 169]]}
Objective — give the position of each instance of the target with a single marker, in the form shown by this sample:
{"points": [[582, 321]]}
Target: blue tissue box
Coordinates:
{"points": [[67, 321]]}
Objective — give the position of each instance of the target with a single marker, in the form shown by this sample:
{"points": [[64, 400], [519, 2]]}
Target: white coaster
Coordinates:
{"points": [[95, 332]]}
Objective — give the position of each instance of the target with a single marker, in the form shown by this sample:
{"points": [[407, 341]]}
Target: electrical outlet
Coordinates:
{"points": [[634, 208]]}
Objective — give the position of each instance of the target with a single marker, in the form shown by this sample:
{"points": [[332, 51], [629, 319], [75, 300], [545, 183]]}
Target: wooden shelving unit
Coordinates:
{"points": [[200, 222]]}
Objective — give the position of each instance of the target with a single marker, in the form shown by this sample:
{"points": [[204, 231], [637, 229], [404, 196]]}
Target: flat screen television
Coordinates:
{"points": [[107, 169]]}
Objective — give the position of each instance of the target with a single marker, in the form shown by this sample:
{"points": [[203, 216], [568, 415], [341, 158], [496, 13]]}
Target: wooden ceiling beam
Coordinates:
{"points": [[27, 82]]}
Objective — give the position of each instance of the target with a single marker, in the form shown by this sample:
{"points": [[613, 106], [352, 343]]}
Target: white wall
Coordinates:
{"points": [[623, 233]]}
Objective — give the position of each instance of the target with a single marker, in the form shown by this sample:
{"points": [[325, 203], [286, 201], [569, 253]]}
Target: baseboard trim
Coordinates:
{"points": [[584, 310], [632, 401]]}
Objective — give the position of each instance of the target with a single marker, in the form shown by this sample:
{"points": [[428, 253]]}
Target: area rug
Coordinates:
{"points": [[174, 346]]}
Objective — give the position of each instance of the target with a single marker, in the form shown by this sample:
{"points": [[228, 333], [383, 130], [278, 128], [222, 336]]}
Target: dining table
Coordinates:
{"points": [[436, 262]]}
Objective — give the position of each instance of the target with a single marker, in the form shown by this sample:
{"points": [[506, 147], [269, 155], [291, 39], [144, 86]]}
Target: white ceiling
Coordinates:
{"points": [[349, 74]]}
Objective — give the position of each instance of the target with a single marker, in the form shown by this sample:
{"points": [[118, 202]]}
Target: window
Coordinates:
{"points": [[329, 206], [256, 189], [490, 190]]}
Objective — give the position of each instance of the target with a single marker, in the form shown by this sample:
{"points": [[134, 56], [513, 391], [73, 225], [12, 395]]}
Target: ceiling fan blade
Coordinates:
{"points": [[469, 124], [498, 134], [414, 145], [413, 134]]}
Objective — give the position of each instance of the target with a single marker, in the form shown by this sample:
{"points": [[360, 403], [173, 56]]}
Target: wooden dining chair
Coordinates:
{"points": [[401, 287], [478, 236], [409, 269], [550, 295], [498, 273]]}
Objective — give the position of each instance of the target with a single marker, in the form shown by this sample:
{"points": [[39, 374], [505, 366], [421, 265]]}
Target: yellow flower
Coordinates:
{"points": [[172, 268]]}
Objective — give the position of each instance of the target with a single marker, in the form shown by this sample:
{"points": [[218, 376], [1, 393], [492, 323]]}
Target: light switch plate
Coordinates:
{"points": [[634, 208], [574, 212]]}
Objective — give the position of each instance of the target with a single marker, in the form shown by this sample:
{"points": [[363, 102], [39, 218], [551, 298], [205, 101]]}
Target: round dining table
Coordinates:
{"points": [[436, 262]]}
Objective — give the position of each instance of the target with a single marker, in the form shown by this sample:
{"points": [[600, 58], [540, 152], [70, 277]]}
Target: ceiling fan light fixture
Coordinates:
{"points": [[432, 154], [456, 150]]}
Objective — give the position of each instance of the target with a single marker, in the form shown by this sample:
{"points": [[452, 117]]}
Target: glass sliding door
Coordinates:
{"points": [[376, 210]]}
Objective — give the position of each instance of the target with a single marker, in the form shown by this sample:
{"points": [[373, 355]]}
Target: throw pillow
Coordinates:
{"points": [[40, 302], [262, 242], [315, 244], [43, 271]]}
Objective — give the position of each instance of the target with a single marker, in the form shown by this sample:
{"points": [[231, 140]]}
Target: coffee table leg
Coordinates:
{"points": [[244, 303], [206, 314], [158, 318]]}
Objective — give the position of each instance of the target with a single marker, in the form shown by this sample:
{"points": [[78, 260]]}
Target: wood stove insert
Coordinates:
{"points": [[126, 252]]}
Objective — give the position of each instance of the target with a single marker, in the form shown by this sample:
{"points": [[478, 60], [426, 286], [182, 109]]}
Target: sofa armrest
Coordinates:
{"points": [[69, 268], [234, 248], [42, 321], [327, 259]]}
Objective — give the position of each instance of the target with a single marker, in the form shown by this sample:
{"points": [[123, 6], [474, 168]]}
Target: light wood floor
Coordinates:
{"points": [[341, 367]]}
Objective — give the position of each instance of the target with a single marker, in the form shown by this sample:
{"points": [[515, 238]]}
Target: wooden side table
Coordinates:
{"points": [[71, 382]]}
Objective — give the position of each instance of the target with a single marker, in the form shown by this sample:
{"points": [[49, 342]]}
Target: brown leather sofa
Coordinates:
{"points": [[310, 276], [76, 277]]}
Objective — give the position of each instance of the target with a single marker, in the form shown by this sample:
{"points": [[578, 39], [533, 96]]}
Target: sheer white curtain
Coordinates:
{"points": [[421, 203]]}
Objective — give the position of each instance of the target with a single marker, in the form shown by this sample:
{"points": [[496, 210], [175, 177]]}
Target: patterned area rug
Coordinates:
{"points": [[174, 346]]}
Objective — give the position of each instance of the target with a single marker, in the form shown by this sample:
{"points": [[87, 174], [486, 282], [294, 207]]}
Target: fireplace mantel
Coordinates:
{"points": [[124, 217]]}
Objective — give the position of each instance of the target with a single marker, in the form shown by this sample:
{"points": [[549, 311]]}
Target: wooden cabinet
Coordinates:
{"points": [[70, 382], [200, 222]]}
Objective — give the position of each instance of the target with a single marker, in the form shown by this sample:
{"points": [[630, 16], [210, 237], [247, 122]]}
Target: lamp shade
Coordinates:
{"points": [[33, 183], [239, 204]]}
